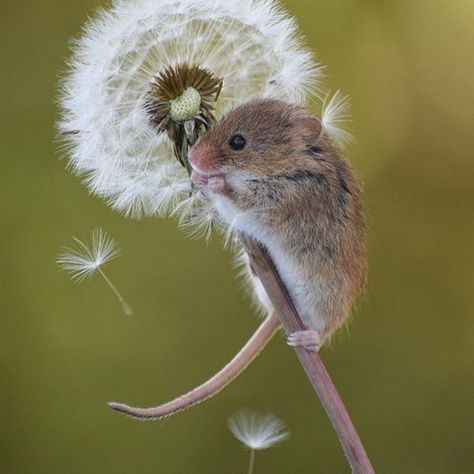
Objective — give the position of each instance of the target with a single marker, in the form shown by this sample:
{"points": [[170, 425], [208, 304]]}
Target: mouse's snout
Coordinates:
{"points": [[203, 158], [204, 162]]}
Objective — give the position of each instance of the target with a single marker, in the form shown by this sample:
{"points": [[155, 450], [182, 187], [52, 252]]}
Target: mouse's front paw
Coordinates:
{"points": [[218, 184], [309, 340]]}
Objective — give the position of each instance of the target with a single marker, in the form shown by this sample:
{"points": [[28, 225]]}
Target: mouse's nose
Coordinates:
{"points": [[202, 158], [197, 159]]}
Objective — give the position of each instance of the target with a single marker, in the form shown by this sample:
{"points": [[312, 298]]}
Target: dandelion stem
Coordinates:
{"points": [[251, 461], [125, 306], [311, 362]]}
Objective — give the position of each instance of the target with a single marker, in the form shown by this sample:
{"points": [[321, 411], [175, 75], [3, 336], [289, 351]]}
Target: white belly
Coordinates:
{"points": [[307, 296]]}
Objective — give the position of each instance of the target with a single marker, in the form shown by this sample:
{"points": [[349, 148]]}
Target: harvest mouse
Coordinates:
{"points": [[273, 173]]}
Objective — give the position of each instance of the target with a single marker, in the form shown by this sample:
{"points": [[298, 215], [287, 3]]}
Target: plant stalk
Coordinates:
{"points": [[311, 362]]}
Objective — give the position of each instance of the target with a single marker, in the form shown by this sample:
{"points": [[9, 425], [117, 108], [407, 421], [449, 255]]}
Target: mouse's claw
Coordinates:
{"points": [[308, 339]]}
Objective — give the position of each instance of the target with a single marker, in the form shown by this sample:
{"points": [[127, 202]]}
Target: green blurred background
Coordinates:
{"points": [[406, 368]]}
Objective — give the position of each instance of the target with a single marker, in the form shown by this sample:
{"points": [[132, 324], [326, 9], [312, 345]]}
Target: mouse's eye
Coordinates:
{"points": [[237, 142]]}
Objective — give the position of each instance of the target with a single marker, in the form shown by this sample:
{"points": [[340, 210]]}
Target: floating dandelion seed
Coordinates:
{"points": [[82, 260], [148, 66], [257, 432]]}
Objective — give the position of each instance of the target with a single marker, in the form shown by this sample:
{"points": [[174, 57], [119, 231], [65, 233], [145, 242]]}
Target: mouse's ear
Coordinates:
{"points": [[306, 125]]}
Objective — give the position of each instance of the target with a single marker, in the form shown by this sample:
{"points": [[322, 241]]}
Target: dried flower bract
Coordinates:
{"points": [[180, 103]]}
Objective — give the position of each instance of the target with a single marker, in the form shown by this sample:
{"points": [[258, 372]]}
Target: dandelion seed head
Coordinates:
{"points": [[257, 431], [253, 45], [83, 259]]}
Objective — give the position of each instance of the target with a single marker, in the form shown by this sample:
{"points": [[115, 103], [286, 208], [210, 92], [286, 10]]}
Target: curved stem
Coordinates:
{"points": [[216, 383], [311, 362]]}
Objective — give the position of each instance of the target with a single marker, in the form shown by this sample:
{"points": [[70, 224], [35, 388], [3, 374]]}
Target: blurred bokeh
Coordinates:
{"points": [[404, 368]]}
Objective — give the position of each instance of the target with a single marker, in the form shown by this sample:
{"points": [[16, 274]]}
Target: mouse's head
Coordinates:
{"points": [[258, 140]]}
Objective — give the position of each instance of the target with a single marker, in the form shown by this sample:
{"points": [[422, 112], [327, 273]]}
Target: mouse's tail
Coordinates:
{"points": [[216, 383]]}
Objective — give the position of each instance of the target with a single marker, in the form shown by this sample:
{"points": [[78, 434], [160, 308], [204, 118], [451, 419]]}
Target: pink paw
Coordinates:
{"points": [[309, 340], [218, 185]]}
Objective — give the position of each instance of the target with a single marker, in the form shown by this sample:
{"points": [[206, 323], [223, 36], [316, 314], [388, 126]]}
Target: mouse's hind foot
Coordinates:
{"points": [[308, 339]]}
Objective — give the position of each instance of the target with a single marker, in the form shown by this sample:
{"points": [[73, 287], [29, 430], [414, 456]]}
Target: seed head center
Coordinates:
{"points": [[186, 106]]}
